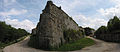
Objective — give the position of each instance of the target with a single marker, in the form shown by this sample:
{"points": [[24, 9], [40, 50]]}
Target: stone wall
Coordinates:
{"points": [[53, 21]]}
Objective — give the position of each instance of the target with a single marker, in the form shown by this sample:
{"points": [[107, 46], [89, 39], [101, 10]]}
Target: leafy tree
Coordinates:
{"points": [[88, 31], [8, 33], [114, 24], [101, 30], [111, 32]]}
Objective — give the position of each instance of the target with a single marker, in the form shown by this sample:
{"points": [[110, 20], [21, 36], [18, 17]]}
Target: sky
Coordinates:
{"points": [[25, 14]]}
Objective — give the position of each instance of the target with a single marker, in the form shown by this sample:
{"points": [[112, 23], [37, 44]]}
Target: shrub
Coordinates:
{"points": [[72, 35]]}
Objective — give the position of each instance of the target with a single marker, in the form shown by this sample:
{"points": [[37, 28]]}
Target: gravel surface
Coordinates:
{"points": [[100, 46], [0, 50]]}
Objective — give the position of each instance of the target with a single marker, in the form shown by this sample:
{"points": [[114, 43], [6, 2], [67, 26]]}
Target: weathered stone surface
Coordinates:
{"points": [[49, 31]]}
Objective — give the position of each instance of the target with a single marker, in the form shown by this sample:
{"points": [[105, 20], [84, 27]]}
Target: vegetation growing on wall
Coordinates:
{"points": [[33, 43], [72, 35]]}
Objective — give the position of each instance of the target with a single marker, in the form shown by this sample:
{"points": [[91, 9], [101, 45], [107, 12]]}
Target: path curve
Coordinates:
{"points": [[21, 47], [100, 46]]}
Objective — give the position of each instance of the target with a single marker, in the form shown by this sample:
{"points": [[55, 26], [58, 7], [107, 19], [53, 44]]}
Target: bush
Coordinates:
{"points": [[72, 35], [32, 42], [1, 45]]}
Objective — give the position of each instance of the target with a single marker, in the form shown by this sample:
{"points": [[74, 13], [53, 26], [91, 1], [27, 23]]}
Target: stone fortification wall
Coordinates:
{"points": [[53, 21]]}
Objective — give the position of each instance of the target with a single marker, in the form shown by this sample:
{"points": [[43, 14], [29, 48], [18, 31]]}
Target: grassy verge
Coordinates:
{"points": [[2, 45], [77, 45]]}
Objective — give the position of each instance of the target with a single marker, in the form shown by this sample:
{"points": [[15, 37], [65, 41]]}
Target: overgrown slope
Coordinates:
{"points": [[9, 34]]}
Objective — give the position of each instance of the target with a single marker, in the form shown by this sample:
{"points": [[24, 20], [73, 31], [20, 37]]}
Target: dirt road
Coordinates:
{"points": [[100, 46], [0, 50], [21, 47]]}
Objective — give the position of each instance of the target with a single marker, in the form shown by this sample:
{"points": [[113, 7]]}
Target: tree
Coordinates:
{"points": [[114, 24], [101, 30], [8, 33], [88, 31]]}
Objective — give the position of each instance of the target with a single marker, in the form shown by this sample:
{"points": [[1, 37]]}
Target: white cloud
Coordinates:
{"points": [[110, 12], [116, 1], [69, 6], [107, 12], [89, 22], [74, 6], [25, 24], [13, 12], [9, 2]]}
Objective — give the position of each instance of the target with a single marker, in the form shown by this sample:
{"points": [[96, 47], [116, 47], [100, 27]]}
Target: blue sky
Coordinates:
{"points": [[87, 13]]}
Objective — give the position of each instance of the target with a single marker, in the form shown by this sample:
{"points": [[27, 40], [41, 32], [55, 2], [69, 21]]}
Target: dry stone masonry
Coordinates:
{"points": [[50, 29]]}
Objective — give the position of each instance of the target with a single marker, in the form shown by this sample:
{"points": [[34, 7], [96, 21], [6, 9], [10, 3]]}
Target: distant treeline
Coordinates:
{"points": [[89, 31], [9, 34], [111, 32]]}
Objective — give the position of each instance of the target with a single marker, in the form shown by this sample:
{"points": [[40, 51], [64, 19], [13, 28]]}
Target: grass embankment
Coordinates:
{"points": [[2, 45], [77, 45]]}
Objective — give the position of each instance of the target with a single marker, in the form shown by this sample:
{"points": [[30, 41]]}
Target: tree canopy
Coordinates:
{"points": [[113, 26], [8, 33], [89, 31]]}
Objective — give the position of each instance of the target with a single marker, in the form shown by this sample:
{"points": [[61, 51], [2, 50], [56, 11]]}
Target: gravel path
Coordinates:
{"points": [[21, 47], [100, 46], [0, 50]]}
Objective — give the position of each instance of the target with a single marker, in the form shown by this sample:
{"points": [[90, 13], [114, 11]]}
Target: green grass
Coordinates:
{"points": [[77, 45], [2, 45]]}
